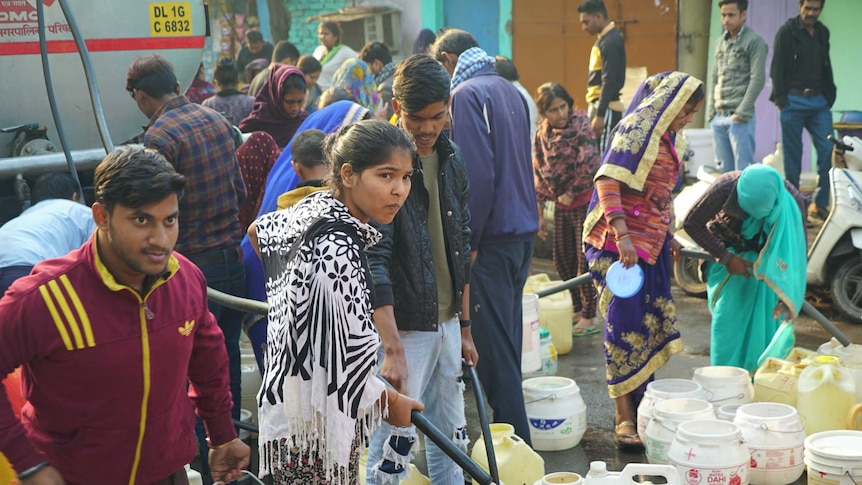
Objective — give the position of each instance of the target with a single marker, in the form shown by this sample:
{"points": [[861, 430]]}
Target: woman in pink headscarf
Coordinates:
{"points": [[278, 107]]}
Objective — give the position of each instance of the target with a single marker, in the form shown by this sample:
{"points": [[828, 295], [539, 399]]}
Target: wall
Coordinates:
{"points": [[841, 17], [479, 17], [411, 22], [303, 34]]}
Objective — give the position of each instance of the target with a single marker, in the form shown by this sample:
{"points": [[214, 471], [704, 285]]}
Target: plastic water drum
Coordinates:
{"points": [[531, 346], [774, 436], [699, 141], [666, 417], [775, 381], [725, 384], [516, 461], [556, 412], [834, 458], [710, 452], [661, 389], [825, 394], [555, 311]]}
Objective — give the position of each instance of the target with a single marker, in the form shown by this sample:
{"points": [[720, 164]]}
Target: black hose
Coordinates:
{"points": [[483, 422], [566, 285], [92, 84], [52, 100], [451, 449]]}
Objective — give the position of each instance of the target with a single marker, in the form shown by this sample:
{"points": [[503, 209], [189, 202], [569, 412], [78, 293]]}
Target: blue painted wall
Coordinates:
{"points": [[479, 17]]}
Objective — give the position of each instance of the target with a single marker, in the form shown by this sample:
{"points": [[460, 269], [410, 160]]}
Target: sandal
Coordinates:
{"points": [[627, 441], [584, 331]]}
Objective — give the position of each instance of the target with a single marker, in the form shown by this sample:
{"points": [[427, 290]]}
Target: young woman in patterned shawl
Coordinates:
{"points": [[629, 218], [565, 160], [321, 397]]}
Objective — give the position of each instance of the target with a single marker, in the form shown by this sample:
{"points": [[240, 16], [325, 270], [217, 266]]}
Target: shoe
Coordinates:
{"points": [[627, 441], [584, 331]]}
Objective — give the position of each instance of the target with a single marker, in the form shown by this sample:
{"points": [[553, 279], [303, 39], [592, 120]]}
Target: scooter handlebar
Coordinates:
{"points": [[839, 144]]}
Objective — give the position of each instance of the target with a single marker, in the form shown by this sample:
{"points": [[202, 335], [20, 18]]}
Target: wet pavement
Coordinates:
{"points": [[585, 364]]}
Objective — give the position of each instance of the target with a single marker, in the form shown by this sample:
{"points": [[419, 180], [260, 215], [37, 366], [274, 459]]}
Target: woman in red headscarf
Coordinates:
{"points": [[278, 107]]}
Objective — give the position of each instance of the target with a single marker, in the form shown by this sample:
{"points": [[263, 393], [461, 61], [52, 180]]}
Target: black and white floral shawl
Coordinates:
{"points": [[321, 358]]}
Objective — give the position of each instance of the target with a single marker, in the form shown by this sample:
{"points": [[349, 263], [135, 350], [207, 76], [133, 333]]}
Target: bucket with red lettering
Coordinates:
{"points": [[775, 436], [710, 452]]}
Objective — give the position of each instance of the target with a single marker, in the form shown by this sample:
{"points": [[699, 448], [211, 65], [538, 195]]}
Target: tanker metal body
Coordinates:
{"points": [[115, 32]]}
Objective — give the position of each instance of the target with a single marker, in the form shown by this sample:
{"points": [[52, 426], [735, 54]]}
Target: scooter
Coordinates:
{"points": [[835, 258], [688, 271]]}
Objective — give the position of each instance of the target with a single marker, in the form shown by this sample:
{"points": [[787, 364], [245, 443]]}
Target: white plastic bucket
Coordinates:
{"points": [[556, 412], [726, 412], [531, 355], [666, 417], [775, 437], [725, 384], [662, 389], [834, 458], [560, 478], [710, 452]]}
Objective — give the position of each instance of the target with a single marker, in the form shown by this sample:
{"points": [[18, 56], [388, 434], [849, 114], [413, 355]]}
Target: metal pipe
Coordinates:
{"points": [[92, 84], [807, 308], [52, 99], [483, 422], [39, 164]]}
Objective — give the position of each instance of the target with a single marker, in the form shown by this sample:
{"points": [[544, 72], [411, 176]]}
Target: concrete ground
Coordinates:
{"points": [[585, 364]]}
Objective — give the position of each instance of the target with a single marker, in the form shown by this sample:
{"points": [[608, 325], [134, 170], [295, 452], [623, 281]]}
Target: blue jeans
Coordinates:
{"points": [[734, 142], [813, 114], [434, 378], [496, 291], [227, 277]]}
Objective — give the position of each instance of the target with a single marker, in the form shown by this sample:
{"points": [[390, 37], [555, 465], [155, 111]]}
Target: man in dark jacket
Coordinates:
{"points": [[421, 271], [490, 123], [607, 70], [804, 90]]}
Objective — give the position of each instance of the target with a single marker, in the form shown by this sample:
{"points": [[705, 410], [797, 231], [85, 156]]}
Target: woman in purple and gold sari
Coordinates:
{"points": [[628, 220]]}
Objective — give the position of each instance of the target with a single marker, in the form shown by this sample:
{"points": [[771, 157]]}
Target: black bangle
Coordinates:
{"points": [[33, 470], [466, 323]]}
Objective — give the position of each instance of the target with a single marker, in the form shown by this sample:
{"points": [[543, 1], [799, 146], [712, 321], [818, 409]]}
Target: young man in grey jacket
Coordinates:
{"points": [[737, 79]]}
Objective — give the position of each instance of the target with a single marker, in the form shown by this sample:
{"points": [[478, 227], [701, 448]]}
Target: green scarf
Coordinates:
{"points": [[329, 55]]}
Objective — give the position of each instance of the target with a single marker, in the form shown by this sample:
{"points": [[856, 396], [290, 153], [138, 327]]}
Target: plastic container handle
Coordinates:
{"points": [[853, 421], [669, 472]]}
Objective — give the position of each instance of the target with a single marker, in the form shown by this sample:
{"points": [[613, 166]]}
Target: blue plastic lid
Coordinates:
{"points": [[624, 282]]}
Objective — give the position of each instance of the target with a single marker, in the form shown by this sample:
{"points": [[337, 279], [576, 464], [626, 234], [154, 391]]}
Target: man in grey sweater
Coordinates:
{"points": [[737, 78]]}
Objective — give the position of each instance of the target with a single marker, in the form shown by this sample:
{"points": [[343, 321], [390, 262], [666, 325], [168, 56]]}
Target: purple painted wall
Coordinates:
{"points": [[765, 18]]}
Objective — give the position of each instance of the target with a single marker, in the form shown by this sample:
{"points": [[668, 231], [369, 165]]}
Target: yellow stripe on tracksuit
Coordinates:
{"points": [[62, 313]]}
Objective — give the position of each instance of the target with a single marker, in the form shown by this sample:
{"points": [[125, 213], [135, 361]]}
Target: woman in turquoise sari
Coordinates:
{"points": [[283, 178], [752, 222]]}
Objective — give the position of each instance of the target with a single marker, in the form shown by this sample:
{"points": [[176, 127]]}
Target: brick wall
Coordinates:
{"points": [[303, 34]]}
